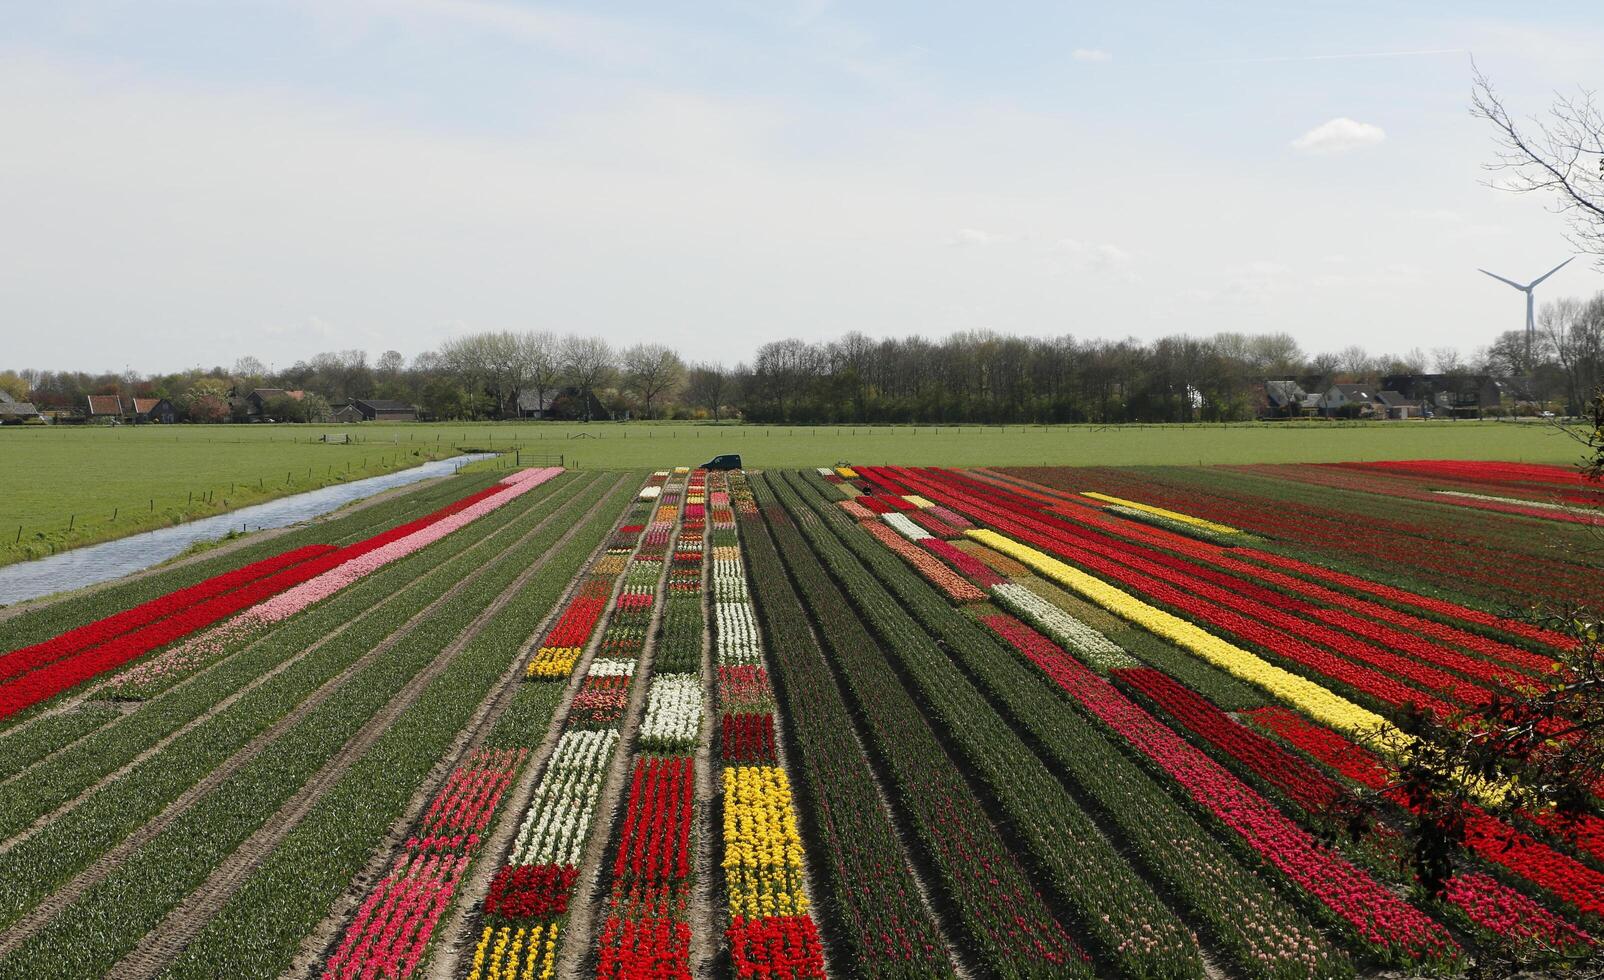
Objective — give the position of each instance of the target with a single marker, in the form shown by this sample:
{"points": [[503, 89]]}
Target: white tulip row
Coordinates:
{"points": [[1064, 629], [559, 815], [729, 580], [611, 668], [738, 640], [906, 527], [650, 493], [674, 706]]}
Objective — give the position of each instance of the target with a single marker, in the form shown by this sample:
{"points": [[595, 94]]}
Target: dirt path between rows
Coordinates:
{"points": [[233, 696], [103, 867], [163, 944], [706, 914], [319, 943]]}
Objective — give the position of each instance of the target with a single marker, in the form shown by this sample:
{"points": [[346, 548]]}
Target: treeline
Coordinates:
{"points": [[965, 377]]}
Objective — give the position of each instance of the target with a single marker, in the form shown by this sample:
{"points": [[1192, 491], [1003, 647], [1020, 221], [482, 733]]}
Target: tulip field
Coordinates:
{"points": [[875, 721]]}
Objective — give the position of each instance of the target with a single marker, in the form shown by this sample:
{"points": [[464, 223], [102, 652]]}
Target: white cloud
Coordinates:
{"points": [[1104, 258], [976, 238], [1338, 136], [1097, 55]]}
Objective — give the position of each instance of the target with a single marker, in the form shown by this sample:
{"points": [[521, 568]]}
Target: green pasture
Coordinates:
{"points": [[70, 486]]}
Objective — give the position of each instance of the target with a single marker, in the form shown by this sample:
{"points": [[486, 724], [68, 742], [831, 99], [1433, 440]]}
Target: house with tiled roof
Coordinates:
{"points": [[154, 410], [105, 408]]}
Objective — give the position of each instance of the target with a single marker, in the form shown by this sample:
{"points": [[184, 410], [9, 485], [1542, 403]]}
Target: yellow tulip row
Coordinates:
{"points": [[496, 957], [1173, 515], [550, 662], [762, 850], [1316, 701], [918, 501], [846, 472]]}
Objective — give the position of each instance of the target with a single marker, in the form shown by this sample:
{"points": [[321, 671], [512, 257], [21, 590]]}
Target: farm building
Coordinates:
{"points": [[1285, 398], [105, 408], [565, 403], [154, 410], [347, 413], [379, 410], [14, 412], [1396, 406]]}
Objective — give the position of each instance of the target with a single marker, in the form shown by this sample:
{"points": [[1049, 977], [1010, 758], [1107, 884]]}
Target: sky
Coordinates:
{"points": [[185, 182]]}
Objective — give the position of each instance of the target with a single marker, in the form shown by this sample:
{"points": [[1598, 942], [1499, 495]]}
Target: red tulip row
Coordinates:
{"points": [[1492, 839], [1406, 487], [1437, 548], [1377, 917], [777, 946], [177, 619], [1225, 607], [747, 738], [1478, 471], [934, 524], [1483, 901], [883, 503], [1299, 780], [531, 891], [81, 638], [577, 622], [655, 841], [1208, 558]]}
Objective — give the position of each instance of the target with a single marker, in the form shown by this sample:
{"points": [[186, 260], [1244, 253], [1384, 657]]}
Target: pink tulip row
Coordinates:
{"points": [[288, 603], [392, 928]]}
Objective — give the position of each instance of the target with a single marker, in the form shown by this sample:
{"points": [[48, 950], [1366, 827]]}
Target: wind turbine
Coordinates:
{"points": [[1531, 321]]}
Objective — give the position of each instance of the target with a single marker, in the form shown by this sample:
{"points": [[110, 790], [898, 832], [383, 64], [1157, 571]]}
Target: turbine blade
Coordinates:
{"points": [[1507, 282], [1552, 271]]}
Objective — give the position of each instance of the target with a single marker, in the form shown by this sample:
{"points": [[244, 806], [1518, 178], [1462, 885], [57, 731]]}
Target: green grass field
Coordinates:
{"points": [[153, 476]]}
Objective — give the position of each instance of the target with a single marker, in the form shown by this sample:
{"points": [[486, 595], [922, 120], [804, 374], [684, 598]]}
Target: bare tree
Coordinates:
{"points": [[587, 363], [1355, 361], [1574, 333], [250, 369], [538, 355], [1447, 360], [652, 371], [708, 385], [1561, 155]]}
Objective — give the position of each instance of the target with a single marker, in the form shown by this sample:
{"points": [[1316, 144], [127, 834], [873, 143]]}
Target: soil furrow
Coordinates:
{"points": [[107, 863], [168, 939]]}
